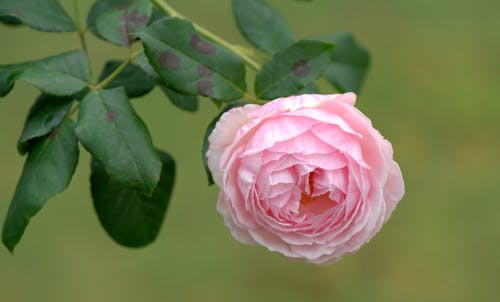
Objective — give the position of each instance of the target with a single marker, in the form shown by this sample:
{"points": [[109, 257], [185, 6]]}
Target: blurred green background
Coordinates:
{"points": [[433, 90]]}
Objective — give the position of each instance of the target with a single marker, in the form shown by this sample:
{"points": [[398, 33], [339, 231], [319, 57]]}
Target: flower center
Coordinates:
{"points": [[307, 199], [315, 204]]}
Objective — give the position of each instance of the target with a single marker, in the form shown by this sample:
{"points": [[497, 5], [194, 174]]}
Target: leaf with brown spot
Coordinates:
{"points": [[204, 72], [46, 113], [48, 170], [200, 45], [182, 101], [169, 39], [170, 60], [293, 68], [110, 129], [116, 20]]}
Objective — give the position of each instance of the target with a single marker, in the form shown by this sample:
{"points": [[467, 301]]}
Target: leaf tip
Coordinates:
{"points": [[9, 244]]}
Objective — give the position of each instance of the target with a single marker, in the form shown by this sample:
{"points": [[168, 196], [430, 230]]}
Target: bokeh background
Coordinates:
{"points": [[433, 90]]}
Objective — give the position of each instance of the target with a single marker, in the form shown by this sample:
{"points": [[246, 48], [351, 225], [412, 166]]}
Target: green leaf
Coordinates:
{"points": [[52, 82], [209, 130], [217, 103], [350, 63], [116, 20], [133, 78], [129, 217], [47, 172], [293, 68], [182, 101], [188, 62], [44, 15], [8, 20], [310, 89], [185, 102], [60, 75], [98, 8], [46, 113], [262, 25], [142, 61], [115, 135], [156, 15]]}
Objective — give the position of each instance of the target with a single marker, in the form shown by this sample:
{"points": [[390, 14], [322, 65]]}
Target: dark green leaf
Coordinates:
{"points": [[189, 63], [46, 114], [8, 20], [209, 130], [129, 217], [98, 8], [60, 75], [262, 25], [350, 63], [291, 69], [114, 134], [52, 82], [156, 15], [116, 20], [310, 89], [135, 81], [47, 172], [217, 103], [44, 15], [182, 101], [142, 61]]}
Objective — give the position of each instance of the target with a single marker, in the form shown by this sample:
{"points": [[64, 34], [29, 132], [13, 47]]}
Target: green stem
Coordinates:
{"points": [[73, 110], [81, 31], [166, 8], [81, 34], [115, 72]]}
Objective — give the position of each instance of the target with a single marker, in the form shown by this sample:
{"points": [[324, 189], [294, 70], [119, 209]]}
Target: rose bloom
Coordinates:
{"points": [[306, 176]]}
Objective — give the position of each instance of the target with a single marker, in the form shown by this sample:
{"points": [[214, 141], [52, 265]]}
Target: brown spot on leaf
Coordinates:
{"points": [[125, 38], [169, 60], [204, 71], [204, 88], [53, 134], [111, 115], [202, 46], [15, 12], [136, 18], [124, 6], [130, 22], [301, 68]]}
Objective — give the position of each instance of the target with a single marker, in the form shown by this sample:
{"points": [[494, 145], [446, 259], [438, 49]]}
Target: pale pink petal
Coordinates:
{"points": [[394, 189], [223, 135]]}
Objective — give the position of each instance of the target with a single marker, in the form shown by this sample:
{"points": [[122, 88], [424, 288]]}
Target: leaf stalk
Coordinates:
{"points": [[116, 72], [81, 31]]}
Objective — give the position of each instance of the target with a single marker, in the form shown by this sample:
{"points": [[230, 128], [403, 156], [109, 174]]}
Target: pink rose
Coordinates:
{"points": [[306, 176]]}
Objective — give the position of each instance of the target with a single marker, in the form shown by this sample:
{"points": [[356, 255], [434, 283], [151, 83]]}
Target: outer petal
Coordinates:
{"points": [[240, 234], [394, 189], [223, 135]]}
